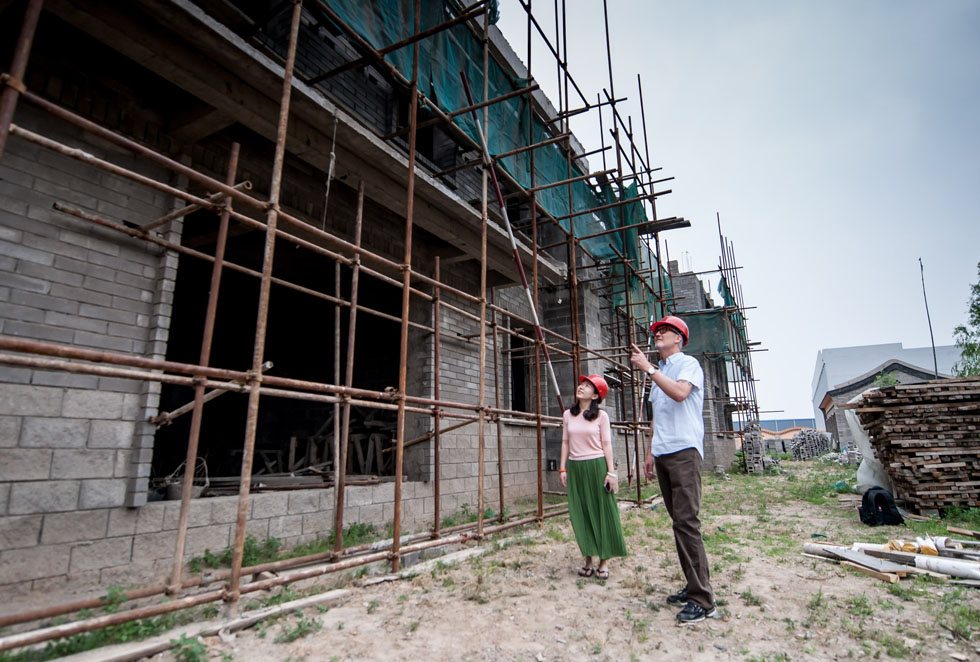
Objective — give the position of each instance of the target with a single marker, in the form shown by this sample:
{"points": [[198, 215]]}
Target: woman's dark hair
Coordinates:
{"points": [[590, 414]]}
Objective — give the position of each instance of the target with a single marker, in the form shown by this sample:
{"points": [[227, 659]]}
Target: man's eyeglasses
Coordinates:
{"points": [[664, 329]]}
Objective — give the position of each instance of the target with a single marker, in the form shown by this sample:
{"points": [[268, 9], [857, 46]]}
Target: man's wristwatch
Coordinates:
{"points": [[652, 369]]}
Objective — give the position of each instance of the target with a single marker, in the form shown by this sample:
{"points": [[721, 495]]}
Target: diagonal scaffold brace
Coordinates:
{"points": [[488, 163]]}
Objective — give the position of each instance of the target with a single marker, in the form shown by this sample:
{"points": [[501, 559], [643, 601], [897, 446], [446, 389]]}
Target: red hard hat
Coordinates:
{"points": [[598, 383], [675, 322]]}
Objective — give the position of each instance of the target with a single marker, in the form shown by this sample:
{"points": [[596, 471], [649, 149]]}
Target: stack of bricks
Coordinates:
{"points": [[755, 449], [808, 444]]}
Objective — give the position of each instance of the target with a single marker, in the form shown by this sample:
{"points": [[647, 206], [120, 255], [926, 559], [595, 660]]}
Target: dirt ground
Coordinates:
{"points": [[522, 599]]}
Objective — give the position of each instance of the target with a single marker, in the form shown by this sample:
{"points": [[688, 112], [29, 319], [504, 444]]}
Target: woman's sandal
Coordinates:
{"points": [[602, 573], [586, 571]]}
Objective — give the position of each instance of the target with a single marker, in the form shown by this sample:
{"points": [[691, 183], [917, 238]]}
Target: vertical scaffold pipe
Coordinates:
{"points": [[513, 244], [261, 324]]}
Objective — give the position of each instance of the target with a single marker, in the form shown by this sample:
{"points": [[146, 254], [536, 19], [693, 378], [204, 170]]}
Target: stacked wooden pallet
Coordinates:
{"points": [[927, 436]]}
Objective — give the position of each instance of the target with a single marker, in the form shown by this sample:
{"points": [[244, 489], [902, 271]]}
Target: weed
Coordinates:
{"points": [[751, 599], [113, 598], [112, 634], [373, 606], [860, 606], [189, 649], [355, 534], [959, 617], [253, 553], [302, 627], [817, 607], [413, 626]]}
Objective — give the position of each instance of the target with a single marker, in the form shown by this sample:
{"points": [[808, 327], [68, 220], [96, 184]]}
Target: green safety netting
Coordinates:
{"points": [[738, 319], [710, 332], [441, 58]]}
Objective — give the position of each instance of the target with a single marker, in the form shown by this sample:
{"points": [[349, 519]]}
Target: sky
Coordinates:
{"points": [[839, 142]]}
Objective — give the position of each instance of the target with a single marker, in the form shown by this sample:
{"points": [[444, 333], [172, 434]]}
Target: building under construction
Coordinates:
{"points": [[271, 268]]}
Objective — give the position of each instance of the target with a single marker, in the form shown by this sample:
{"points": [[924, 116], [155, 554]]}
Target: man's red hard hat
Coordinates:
{"points": [[675, 322], [598, 383]]}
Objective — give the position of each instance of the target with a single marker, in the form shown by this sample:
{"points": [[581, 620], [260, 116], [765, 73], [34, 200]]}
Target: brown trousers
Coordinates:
{"points": [[679, 476]]}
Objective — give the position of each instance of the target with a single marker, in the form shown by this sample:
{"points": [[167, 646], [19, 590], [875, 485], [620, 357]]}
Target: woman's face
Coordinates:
{"points": [[586, 391]]}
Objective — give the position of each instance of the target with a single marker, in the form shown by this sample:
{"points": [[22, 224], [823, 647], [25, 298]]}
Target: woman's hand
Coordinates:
{"points": [[612, 484], [563, 477]]}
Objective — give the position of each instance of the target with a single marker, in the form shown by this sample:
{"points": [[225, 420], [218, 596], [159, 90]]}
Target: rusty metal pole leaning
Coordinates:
{"points": [[341, 459], [261, 323], [197, 413], [513, 244], [436, 411], [484, 220], [13, 83], [497, 372], [406, 266]]}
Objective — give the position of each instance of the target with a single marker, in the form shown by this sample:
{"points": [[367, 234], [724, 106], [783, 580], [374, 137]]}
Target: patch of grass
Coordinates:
{"points": [[859, 605], [253, 553], [113, 598], [112, 634], [959, 617], [373, 606], [189, 649], [892, 645], [357, 533], [816, 607], [301, 627], [751, 599]]}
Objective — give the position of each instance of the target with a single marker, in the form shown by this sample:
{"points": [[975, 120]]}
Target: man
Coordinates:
{"points": [[677, 450]]}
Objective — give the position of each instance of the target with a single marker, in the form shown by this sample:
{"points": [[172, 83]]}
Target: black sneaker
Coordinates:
{"points": [[679, 598], [695, 613]]}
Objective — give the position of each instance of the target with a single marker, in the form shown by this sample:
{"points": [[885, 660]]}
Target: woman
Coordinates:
{"points": [[587, 469]]}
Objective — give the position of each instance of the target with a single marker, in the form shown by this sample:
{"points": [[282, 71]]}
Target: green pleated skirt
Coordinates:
{"points": [[593, 511]]}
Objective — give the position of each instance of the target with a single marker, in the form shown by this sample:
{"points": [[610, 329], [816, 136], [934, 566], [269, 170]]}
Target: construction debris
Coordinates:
{"points": [[927, 436], [940, 557], [808, 444]]}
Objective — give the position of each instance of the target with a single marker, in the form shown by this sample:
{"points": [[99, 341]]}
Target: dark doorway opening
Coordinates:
{"points": [[293, 436]]}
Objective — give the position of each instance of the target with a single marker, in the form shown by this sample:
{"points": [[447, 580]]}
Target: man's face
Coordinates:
{"points": [[666, 337]]}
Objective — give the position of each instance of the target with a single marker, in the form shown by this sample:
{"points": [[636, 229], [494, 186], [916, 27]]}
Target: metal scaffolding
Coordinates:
{"points": [[229, 197]]}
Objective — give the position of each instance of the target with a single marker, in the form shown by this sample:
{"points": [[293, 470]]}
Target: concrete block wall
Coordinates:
{"points": [[101, 547], [66, 440]]}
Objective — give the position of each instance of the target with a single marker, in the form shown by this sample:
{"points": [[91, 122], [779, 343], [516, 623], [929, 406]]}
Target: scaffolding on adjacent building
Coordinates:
{"points": [[630, 267]]}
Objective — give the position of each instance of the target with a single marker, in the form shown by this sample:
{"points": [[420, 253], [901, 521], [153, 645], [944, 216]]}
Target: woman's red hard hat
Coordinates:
{"points": [[598, 383]]}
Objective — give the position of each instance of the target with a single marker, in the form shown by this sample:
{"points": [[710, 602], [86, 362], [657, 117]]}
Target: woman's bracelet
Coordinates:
{"points": [[611, 474], [563, 471]]}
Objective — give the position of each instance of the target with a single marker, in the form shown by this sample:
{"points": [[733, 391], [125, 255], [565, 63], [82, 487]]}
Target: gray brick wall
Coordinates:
{"points": [[68, 440]]}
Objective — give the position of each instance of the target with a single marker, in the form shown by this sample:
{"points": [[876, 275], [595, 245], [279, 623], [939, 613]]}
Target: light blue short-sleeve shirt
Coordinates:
{"points": [[679, 425]]}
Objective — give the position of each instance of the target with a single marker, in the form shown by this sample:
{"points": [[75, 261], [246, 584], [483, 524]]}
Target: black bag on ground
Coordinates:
{"points": [[878, 507]]}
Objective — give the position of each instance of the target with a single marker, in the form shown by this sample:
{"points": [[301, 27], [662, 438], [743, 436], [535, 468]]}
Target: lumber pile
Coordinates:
{"points": [[808, 444], [941, 557], [927, 436]]}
